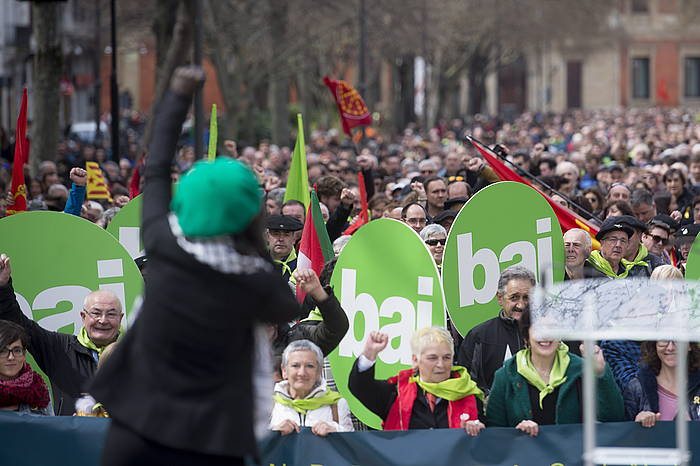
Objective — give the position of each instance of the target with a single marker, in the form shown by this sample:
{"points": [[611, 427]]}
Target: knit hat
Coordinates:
{"points": [[216, 198]]}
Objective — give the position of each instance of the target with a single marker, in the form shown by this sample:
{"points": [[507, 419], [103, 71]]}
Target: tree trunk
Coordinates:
{"points": [[48, 67], [432, 95], [178, 53], [278, 96], [477, 82]]}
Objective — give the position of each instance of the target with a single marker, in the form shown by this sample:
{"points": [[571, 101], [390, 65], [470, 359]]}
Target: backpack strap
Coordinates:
{"points": [[334, 409]]}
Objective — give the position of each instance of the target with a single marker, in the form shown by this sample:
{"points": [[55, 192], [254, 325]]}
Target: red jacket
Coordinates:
{"points": [[399, 416]]}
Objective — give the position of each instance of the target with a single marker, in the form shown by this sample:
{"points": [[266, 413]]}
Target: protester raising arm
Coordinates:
{"points": [[77, 192]]}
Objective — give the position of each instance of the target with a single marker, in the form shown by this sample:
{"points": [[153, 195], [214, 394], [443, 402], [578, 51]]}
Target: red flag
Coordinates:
{"points": [[315, 247], [363, 216], [567, 218], [352, 109], [19, 188]]}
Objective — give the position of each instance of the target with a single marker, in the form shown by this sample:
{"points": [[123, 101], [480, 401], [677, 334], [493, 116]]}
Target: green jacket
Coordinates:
{"points": [[509, 402]]}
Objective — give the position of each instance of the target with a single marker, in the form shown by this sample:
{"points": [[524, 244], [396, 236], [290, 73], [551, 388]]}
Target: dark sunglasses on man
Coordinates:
{"points": [[435, 241]]}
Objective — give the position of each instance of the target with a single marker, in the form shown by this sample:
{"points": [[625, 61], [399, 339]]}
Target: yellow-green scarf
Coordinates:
{"points": [[85, 340], [642, 253], [453, 388], [329, 397], [600, 263], [285, 263], [314, 315], [523, 361]]}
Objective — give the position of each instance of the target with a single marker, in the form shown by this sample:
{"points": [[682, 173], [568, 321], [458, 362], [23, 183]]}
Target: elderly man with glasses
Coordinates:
{"points": [[69, 361], [614, 237]]}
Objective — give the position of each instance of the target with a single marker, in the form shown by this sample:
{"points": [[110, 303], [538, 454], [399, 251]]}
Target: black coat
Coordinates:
{"points": [[181, 376], [326, 333], [68, 364], [641, 394], [484, 349]]}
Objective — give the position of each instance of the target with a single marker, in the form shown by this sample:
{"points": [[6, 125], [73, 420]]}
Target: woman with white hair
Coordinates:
{"points": [[435, 236], [433, 394], [302, 399]]}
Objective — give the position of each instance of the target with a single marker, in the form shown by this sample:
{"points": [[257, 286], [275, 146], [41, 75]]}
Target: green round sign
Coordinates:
{"points": [[504, 224], [126, 227], [692, 265], [386, 280], [58, 259]]}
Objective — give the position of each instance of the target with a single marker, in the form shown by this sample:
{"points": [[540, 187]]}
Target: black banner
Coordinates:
{"points": [[78, 441]]}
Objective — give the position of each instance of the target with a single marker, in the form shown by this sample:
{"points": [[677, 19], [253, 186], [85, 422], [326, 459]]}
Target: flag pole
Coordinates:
{"points": [[500, 152]]}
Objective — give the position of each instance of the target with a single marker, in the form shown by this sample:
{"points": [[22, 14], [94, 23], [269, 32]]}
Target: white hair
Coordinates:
{"points": [[340, 243], [565, 166], [432, 229], [587, 242]]}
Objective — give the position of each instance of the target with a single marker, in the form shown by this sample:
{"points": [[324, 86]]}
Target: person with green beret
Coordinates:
{"points": [[198, 346]]}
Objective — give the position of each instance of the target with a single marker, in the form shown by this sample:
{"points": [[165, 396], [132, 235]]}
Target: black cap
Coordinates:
{"points": [[670, 223], [688, 231], [654, 222], [455, 200], [445, 214], [613, 224], [283, 222], [634, 222]]}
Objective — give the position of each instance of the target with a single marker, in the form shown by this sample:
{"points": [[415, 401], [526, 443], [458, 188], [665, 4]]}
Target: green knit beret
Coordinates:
{"points": [[216, 198]]}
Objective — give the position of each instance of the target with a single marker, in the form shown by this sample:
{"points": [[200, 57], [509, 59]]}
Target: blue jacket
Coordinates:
{"points": [[509, 401], [75, 200], [641, 394]]}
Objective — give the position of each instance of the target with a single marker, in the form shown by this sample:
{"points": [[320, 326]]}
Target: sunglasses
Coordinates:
{"points": [[659, 239], [435, 242], [452, 179]]}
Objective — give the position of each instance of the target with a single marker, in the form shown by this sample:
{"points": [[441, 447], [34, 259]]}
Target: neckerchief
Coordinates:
{"points": [[600, 263], [642, 253], [285, 263], [304, 405], [523, 360], [453, 388], [27, 388], [85, 340], [314, 315]]}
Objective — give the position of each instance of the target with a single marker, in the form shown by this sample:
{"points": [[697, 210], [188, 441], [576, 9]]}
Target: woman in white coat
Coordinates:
{"points": [[302, 399]]}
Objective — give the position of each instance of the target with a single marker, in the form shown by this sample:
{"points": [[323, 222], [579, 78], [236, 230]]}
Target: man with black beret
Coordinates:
{"points": [[684, 239], [614, 237], [445, 218], [456, 203], [280, 241], [637, 259]]}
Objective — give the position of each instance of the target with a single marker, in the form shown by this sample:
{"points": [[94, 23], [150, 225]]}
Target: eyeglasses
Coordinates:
{"points": [[109, 315], [664, 343], [416, 221], [452, 179], [435, 241], [17, 351], [427, 172], [622, 241], [659, 239]]}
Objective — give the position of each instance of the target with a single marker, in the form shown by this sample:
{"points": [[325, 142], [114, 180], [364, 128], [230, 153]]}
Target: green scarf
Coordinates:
{"points": [[453, 388], [285, 263], [556, 377], [328, 397], [85, 340], [314, 315], [642, 253], [600, 263]]}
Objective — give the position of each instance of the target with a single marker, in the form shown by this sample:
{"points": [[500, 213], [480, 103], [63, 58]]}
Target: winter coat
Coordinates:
{"points": [[282, 412], [68, 364], [641, 394], [509, 401], [486, 346]]}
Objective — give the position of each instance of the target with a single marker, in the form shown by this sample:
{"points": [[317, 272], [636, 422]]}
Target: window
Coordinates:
{"points": [[692, 77], [640, 6], [640, 78]]}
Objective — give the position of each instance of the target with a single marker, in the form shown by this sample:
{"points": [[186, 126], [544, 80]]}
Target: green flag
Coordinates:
{"points": [[213, 133], [298, 180]]}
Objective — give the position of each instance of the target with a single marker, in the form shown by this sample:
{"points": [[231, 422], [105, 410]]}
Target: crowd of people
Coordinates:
{"points": [[227, 231]]}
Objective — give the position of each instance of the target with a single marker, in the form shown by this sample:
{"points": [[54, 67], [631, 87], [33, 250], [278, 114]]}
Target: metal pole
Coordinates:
{"points": [[589, 397], [198, 104], [113, 84], [362, 85], [98, 78], [682, 399]]}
